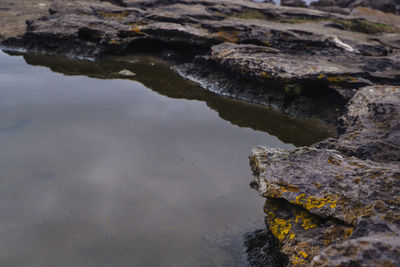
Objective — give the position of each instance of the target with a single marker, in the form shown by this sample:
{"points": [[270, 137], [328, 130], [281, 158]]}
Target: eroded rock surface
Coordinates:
{"points": [[392, 6], [371, 127], [334, 206]]}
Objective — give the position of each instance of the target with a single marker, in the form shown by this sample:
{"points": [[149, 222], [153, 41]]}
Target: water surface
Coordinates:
{"points": [[104, 171]]}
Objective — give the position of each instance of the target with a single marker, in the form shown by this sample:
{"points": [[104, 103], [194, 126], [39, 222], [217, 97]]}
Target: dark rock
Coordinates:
{"points": [[294, 3], [371, 128], [262, 249], [392, 6]]}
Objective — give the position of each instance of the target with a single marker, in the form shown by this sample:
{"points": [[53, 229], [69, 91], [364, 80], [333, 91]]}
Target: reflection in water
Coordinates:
{"points": [[157, 75], [104, 172]]}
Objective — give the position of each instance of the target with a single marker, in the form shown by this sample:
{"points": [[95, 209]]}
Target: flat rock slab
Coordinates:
{"points": [[14, 13], [325, 199]]}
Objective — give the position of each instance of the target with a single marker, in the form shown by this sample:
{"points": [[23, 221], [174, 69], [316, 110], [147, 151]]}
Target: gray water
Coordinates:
{"points": [[108, 172]]}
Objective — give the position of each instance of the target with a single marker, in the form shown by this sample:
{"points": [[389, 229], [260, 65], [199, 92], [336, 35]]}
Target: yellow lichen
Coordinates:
{"points": [[136, 30], [299, 259], [279, 227], [228, 36], [307, 224], [288, 188], [113, 14], [313, 202], [113, 41], [317, 185], [333, 161], [305, 219], [303, 254], [348, 232]]}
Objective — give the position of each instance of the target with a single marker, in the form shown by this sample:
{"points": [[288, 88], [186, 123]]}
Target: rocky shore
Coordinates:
{"points": [[333, 204]]}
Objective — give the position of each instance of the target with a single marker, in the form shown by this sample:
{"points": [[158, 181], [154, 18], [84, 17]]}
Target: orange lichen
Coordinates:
{"points": [[136, 30], [333, 161], [228, 36]]}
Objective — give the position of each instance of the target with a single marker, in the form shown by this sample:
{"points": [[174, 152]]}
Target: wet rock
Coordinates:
{"points": [[263, 249], [316, 198], [281, 95]]}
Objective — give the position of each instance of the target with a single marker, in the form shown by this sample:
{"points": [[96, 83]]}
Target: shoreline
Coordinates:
{"points": [[323, 200]]}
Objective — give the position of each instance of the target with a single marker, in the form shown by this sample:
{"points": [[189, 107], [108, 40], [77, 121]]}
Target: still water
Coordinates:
{"points": [[96, 170]]}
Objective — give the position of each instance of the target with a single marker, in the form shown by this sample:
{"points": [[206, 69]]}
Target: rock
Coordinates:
{"points": [[14, 13], [262, 249], [127, 73], [392, 6], [318, 199], [328, 204], [307, 53], [332, 205], [363, 251], [294, 3], [371, 127]]}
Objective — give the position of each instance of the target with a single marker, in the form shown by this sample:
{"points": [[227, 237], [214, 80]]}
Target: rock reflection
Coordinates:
{"points": [[156, 74]]}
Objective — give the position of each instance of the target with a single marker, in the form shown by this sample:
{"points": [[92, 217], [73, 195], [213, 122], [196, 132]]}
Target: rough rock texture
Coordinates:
{"points": [[14, 13], [333, 205], [392, 6], [295, 3], [371, 127]]}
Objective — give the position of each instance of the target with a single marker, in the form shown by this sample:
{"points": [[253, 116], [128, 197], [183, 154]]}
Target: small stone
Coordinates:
{"points": [[127, 73]]}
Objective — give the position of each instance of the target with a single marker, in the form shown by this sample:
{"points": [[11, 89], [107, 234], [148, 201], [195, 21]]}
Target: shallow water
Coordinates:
{"points": [[112, 172]]}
